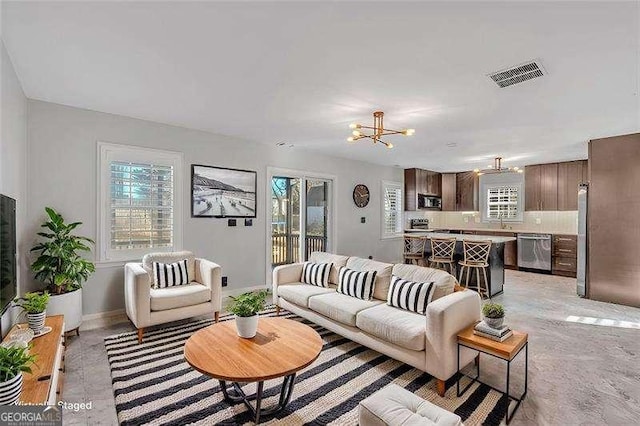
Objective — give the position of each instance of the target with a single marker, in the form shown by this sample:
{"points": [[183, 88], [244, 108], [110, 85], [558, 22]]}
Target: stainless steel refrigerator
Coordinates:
{"points": [[583, 198]]}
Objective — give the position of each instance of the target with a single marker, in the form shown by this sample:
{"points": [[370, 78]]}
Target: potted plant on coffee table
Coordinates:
{"points": [[35, 306], [14, 361], [62, 268], [246, 308], [493, 314]]}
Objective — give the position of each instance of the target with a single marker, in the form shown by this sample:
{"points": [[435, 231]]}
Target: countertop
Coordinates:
{"points": [[463, 237], [490, 230]]}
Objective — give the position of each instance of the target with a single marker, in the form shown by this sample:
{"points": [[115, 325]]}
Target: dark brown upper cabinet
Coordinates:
{"points": [[449, 192], [554, 186], [467, 191], [420, 181]]}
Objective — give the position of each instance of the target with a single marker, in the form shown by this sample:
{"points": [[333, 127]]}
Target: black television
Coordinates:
{"points": [[8, 267]]}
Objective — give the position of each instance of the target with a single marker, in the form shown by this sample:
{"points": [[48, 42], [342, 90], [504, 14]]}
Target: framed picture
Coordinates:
{"points": [[222, 192]]}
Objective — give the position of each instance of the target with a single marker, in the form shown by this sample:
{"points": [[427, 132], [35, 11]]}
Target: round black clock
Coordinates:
{"points": [[361, 195]]}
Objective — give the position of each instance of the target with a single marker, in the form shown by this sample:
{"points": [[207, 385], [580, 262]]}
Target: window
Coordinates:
{"points": [[140, 202], [502, 202], [502, 197], [391, 209]]}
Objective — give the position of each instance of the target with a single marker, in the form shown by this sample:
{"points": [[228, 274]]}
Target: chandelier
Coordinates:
{"points": [[378, 131], [496, 168]]}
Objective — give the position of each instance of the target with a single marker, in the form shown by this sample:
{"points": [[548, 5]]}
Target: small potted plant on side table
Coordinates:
{"points": [[35, 306], [14, 361], [246, 308], [493, 314]]}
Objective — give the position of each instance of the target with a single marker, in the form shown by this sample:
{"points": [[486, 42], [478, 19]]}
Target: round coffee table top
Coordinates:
{"points": [[280, 348]]}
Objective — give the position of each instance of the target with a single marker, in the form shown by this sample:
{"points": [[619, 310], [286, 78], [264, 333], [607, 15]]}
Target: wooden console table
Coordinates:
{"points": [[44, 384]]}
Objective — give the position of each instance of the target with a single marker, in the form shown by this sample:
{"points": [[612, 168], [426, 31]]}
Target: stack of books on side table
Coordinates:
{"points": [[498, 334]]}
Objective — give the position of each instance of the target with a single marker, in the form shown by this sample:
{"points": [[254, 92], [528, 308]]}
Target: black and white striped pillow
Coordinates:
{"points": [[356, 284], [316, 273], [410, 295], [170, 274]]}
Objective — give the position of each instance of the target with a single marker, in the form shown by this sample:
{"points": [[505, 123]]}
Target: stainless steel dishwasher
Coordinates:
{"points": [[534, 251]]}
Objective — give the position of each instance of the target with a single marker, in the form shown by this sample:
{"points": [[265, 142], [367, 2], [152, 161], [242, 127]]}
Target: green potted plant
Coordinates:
{"points": [[493, 314], [35, 306], [246, 308], [14, 361], [62, 268]]}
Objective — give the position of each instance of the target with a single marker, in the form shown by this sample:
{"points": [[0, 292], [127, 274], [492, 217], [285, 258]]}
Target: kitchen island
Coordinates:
{"points": [[495, 272]]}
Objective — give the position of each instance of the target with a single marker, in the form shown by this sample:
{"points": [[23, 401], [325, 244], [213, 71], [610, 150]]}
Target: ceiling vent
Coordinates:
{"points": [[518, 74]]}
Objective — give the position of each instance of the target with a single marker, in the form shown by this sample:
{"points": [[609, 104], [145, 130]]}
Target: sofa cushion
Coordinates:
{"points": [[337, 260], [394, 405], [443, 281], [179, 296], [299, 293], [316, 274], [340, 307], [393, 325], [169, 257], [410, 295], [356, 284], [383, 274]]}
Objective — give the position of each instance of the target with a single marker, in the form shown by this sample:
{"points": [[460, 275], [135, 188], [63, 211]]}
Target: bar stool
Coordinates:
{"points": [[442, 250], [476, 258], [414, 249]]}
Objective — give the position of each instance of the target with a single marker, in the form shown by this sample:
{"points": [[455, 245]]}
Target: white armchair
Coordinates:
{"points": [[147, 306]]}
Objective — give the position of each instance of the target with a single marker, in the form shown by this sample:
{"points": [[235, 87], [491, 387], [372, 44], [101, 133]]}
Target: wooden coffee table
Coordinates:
{"points": [[281, 348]]}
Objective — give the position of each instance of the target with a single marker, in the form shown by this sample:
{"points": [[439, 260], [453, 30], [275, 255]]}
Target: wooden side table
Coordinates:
{"points": [[506, 351]]}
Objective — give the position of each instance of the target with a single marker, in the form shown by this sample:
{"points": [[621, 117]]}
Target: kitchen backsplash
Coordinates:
{"points": [[553, 222]]}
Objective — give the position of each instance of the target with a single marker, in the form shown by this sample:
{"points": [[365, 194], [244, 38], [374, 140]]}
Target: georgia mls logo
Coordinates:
{"points": [[25, 415]]}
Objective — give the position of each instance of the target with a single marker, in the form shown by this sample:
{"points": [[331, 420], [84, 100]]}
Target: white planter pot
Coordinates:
{"points": [[69, 305], [36, 321], [10, 390], [247, 326]]}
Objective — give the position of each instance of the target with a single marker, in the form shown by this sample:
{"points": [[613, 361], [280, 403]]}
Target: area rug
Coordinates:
{"points": [[153, 384]]}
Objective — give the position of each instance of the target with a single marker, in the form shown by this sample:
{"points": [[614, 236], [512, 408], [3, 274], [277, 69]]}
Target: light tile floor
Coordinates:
{"points": [[578, 373]]}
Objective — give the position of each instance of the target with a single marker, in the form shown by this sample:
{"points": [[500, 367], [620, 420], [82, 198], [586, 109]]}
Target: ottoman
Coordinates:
{"points": [[396, 406]]}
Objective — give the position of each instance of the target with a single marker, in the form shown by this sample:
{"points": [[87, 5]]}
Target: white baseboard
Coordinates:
{"points": [[119, 316]]}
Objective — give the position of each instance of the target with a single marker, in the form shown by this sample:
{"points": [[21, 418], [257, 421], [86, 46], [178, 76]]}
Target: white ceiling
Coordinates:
{"points": [[301, 72]]}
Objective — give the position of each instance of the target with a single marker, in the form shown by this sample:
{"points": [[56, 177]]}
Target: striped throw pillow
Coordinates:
{"points": [[410, 295], [170, 274], [316, 273], [356, 284]]}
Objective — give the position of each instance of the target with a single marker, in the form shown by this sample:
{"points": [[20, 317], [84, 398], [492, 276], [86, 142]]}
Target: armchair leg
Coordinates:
{"points": [[277, 310], [216, 316], [140, 332], [441, 387]]}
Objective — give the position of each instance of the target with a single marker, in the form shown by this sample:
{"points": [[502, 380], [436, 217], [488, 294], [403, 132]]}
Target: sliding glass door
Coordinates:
{"points": [[300, 217]]}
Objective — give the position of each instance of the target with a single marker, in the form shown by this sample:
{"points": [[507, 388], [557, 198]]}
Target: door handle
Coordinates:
{"points": [[565, 250]]}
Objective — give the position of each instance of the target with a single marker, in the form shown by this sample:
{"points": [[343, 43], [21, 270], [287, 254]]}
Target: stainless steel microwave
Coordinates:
{"points": [[429, 202]]}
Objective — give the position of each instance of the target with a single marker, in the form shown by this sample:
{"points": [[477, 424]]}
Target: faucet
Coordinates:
{"points": [[502, 225]]}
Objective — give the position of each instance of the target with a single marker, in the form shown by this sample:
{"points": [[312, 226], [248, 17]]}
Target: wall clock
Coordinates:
{"points": [[361, 195]]}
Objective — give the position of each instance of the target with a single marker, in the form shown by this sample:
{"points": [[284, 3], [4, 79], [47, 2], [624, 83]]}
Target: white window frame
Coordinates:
{"points": [[489, 182], [384, 235], [108, 152]]}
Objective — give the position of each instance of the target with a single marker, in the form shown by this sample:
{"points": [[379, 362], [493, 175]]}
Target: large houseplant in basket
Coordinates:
{"points": [[62, 268]]}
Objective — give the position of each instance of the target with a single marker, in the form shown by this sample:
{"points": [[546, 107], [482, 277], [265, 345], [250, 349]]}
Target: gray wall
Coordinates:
{"points": [[13, 155], [63, 174]]}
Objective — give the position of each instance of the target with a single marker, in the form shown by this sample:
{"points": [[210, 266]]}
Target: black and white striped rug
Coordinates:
{"points": [[153, 384]]}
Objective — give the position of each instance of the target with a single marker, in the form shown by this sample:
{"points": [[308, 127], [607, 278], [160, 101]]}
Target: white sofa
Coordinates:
{"points": [[427, 342], [147, 306]]}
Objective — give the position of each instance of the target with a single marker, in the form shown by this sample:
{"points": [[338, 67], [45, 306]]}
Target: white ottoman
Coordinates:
{"points": [[396, 406]]}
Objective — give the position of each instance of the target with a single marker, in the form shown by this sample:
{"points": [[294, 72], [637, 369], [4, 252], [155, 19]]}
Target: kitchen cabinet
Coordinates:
{"points": [[467, 189], [449, 192], [419, 181], [541, 187], [565, 254], [570, 175]]}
